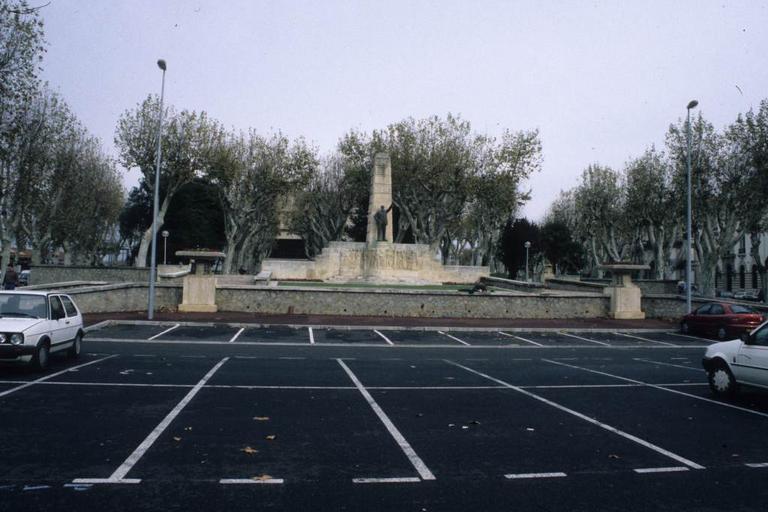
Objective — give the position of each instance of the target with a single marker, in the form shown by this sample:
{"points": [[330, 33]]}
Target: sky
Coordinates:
{"points": [[600, 80]]}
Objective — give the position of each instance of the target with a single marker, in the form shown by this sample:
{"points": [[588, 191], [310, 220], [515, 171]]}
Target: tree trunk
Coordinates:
{"points": [[146, 239]]}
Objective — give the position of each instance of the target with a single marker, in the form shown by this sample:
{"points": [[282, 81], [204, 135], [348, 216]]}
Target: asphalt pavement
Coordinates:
{"points": [[174, 416]]}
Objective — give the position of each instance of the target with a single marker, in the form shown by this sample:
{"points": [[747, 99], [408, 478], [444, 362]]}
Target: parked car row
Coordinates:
{"points": [[749, 295]]}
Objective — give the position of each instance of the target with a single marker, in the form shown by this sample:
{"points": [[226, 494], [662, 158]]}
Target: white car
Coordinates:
{"points": [[34, 324], [743, 361]]}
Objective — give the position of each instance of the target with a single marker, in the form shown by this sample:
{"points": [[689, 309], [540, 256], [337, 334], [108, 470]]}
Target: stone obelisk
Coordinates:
{"points": [[381, 195]]}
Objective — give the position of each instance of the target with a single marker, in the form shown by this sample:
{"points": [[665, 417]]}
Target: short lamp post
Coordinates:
{"points": [[691, 105], [165, 234], [527, 246]]}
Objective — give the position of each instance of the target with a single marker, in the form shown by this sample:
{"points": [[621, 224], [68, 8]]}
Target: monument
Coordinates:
{"points": [[378, 259], [626, 296], [199, 290]]}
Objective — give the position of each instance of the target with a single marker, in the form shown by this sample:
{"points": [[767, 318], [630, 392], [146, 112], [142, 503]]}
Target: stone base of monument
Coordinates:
{"points": [[376, 262], [199, 294], [626, 297]]}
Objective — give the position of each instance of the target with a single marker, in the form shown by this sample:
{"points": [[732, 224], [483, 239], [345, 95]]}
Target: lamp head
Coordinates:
{"points": [[161, 64], [527, 245], [692, 104]]}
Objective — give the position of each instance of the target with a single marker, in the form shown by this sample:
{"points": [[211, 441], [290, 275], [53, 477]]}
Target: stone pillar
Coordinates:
{"points": [[381, 195], [626, 296], [199, 292]]}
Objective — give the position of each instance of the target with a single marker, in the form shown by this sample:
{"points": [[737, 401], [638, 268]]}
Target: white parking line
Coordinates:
{"points": [[535, 475], [585, 339], [385, 338], [62, 372], [119, 475], [521, 338], [757, 465], [691, 337], [673, 469], [237, 335], [311, 337], [396, 480], [454, 338], [645, 339], [579, 415], [650, 361], [416, 461], [164, 332], [657, 386], [251, 481]]}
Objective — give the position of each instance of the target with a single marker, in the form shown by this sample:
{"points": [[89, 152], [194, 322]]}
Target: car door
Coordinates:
{"points": [[715, 319], [698, 322], [752, 359], [74, 319], [58, 323]]}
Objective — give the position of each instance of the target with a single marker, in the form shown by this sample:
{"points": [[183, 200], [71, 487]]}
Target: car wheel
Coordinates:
{"points": [[41, 357], [684, 328], [721, 380], [721, 334], [74, 350]]}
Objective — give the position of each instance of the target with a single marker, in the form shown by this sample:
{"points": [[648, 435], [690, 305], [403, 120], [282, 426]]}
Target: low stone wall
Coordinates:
{"points": [[512, 284], [407, 303], [124, 297], [574, 286], [647, 286], [354, 302], [44, 274], [291, 270]]}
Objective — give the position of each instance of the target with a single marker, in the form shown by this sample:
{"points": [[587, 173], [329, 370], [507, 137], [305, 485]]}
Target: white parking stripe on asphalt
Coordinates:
{"points": [[311, 337], [579, 415], [62, 372], [645, 339], [164, 332], [516, 476], [585, 339], [673, 469], [385, 338], [118, 476], [656, 386], [395, 480], [454, 338], [237, 335], [521, 338], [409, 452], [251, 481], [650, 361]]}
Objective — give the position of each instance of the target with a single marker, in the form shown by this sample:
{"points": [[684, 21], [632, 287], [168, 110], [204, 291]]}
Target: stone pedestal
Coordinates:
{"points": [[547, 273], [199, 295], [199, 292], [626, 297]]}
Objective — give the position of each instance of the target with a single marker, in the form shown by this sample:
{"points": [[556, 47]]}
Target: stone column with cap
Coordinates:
{"points": [[381, 195]]}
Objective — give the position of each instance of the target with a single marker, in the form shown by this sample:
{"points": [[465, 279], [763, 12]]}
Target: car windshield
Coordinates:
{"points": [[20, 305], [741, 309]]}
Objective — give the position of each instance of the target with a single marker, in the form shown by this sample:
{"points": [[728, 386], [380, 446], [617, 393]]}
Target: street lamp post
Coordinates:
{"points": [[692, 104], [527, 246], [153, 265], [165, 234]]}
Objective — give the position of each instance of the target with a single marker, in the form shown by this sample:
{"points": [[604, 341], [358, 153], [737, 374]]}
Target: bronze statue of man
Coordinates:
{"points": [[381, 223]]}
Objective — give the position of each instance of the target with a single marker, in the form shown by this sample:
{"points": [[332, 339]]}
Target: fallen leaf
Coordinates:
{"points": [[261, 418], [271, 437], [249, 450], [262, 477], [177, 439], [613, 456], [187, 428], [464, 427], [529, 429], [474, 422]]}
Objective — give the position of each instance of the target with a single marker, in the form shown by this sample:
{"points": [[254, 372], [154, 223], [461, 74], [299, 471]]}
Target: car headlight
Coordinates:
{"points": [[17, 339], [3, 339]]}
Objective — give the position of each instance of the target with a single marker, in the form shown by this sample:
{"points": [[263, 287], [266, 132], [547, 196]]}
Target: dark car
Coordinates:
{"points": [[721, 320]]}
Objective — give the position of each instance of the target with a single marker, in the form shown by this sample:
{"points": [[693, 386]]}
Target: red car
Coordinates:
{"points": [[721, 319]]}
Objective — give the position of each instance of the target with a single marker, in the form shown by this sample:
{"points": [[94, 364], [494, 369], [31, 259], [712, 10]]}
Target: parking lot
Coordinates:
{"points": [[206, 417]]}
